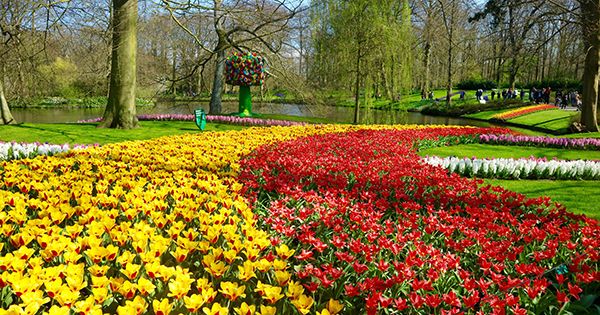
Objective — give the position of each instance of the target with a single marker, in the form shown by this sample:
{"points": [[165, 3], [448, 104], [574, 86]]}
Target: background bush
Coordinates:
{"points": [[476, 84]]}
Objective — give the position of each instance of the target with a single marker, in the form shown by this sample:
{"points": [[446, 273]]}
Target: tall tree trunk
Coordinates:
{"points": [[385, 82], [5, 115], [449, 82], [426, 66], [121, 95], [512, 74], [357, 86], [173, 88], [217, 88], [590, 15]]}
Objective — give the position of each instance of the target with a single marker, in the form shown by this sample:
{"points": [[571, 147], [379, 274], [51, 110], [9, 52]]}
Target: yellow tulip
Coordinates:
{"points": [[268, 310], [100, 294], [217, 269], [232, 290], [245, 309], [87, 306], [203, 284], [127, 289], [131, 271], [53, 288], [136, 306], [162, 307], [34, 298], [216, 309], [284, 251], [193, 302], [294, 290], [279, 264], [145, 286], [334, 307], [178, 289], [282, 277], [272, 294], [246, 271], [98, 271], [263, 265], [303, 303], [59, 310], [67, 297]]}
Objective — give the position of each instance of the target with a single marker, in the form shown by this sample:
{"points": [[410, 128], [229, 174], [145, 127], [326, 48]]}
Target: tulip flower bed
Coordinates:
{"points": [[138, 227], [549, 142], [14, 150], [142, 227], [523, 111], [234, 120], [374, 226], [531, 168]]}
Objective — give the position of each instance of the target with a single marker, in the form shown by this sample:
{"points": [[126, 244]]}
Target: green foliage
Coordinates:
{"points": [[60, 76], [556, 84], [86, 102], [475, 84]]}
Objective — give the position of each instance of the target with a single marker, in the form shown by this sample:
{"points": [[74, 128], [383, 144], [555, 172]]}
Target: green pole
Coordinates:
{"points": [[245, 101]]}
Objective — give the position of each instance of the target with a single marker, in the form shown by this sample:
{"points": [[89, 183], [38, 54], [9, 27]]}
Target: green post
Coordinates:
{"points": [[245, 109]]}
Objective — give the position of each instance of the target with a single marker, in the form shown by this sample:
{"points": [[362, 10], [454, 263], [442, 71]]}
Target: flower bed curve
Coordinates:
{"points": [[136, 227], [523, 111], [540, 141], [374, 226], [531, 168]]}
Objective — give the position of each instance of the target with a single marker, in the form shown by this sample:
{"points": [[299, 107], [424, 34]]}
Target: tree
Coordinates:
{"points": [[590, 23], [449, 10], [120, 110], [238, 25]]}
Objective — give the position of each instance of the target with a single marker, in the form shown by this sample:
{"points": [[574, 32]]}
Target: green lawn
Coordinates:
{"points": [[89, 134], [578, 196], [581, 197], [554, 119], [499, 151], [406, 102], [488, 114]]}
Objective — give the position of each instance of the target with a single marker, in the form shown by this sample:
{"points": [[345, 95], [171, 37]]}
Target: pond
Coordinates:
{"points": [[332, 113]]}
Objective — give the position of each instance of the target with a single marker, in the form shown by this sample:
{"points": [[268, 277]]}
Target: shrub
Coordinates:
{"points": [[475, 84]]}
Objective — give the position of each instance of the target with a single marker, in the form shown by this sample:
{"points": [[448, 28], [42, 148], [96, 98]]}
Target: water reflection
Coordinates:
{"points": [[332, 113]]}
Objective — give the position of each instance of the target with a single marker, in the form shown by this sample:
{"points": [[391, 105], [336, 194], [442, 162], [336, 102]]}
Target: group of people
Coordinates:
{"points": [[564, 99], [426, 95], [509, 93], [540, 96]]}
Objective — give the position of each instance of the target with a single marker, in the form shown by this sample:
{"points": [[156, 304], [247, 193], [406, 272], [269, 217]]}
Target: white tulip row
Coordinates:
{"points": [[519, 168], [13, 150]]}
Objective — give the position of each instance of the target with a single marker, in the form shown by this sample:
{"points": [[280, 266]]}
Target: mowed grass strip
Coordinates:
{"points": [[485, 151], [554, 119], [581, 197], [90, 134]]}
